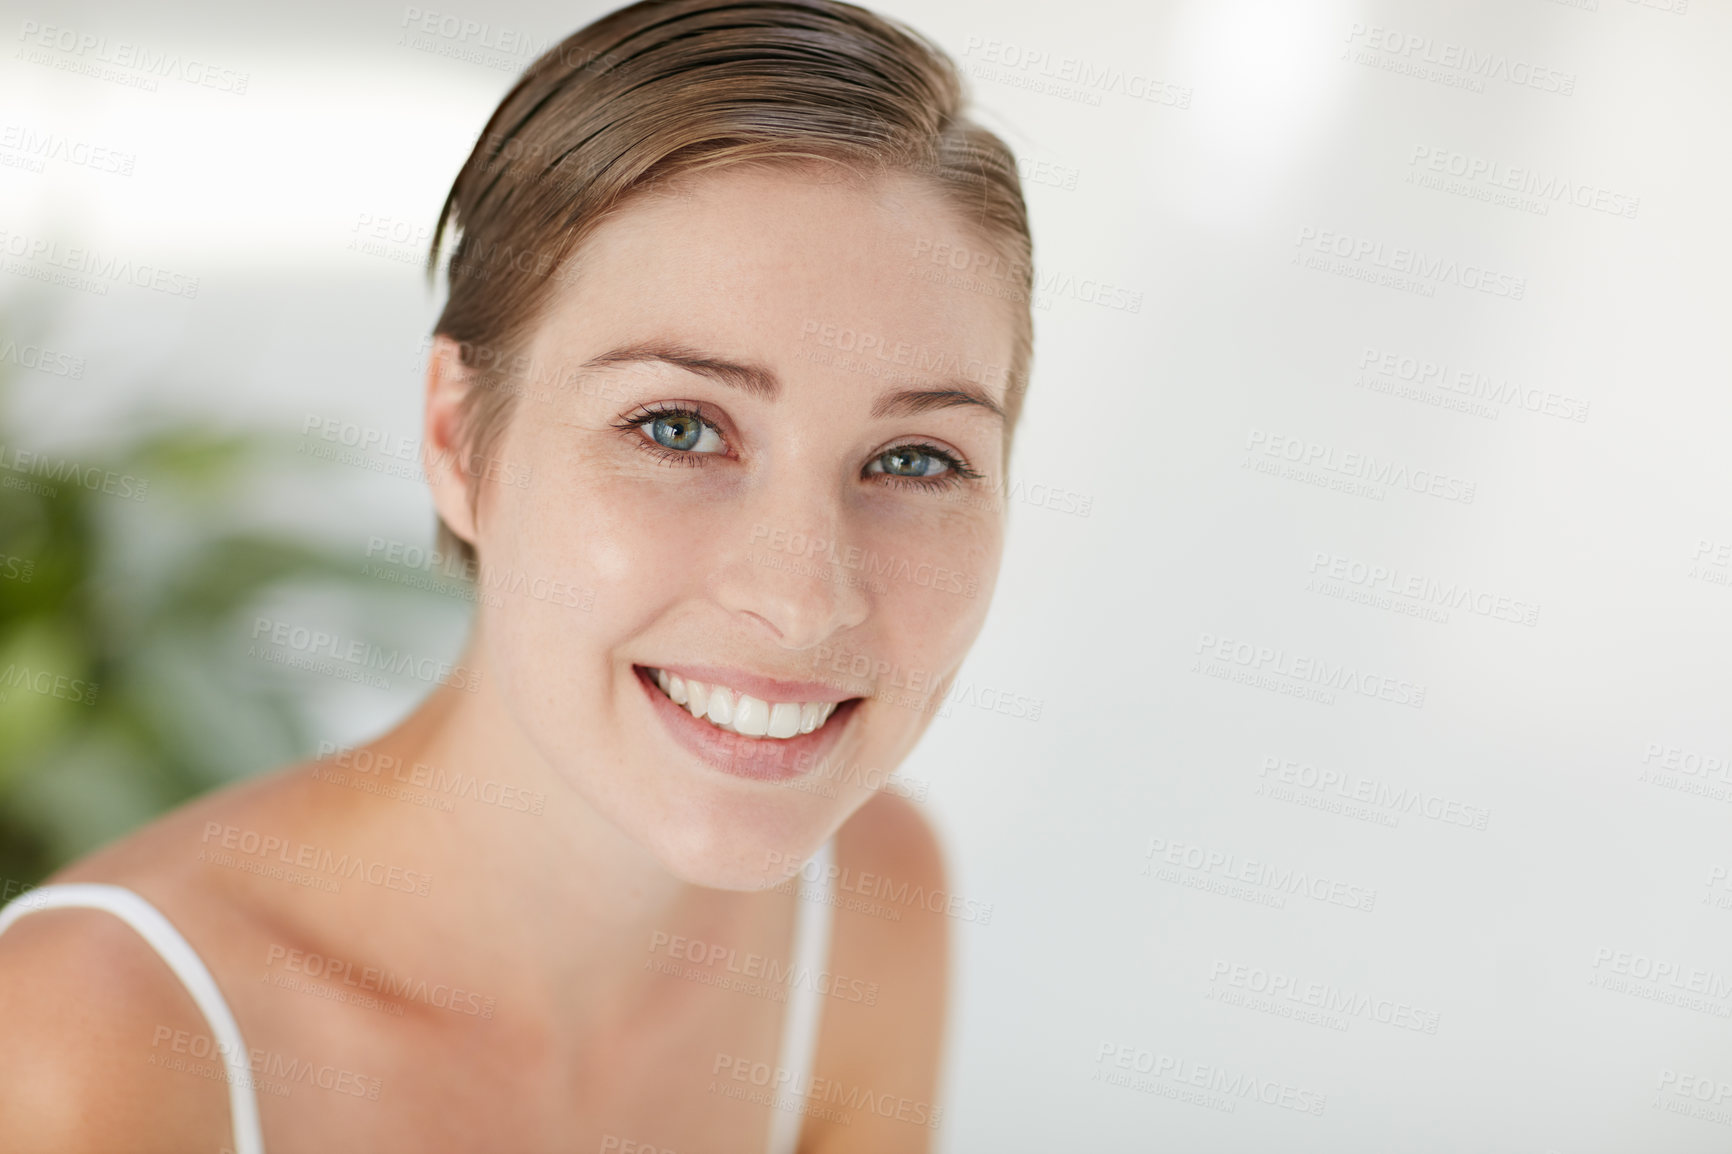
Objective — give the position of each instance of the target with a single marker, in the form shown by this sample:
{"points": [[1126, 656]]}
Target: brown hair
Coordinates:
{"points": [[665, 87]]}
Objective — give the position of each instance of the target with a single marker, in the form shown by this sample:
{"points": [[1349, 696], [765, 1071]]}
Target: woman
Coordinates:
{"points": [[736, 323]]}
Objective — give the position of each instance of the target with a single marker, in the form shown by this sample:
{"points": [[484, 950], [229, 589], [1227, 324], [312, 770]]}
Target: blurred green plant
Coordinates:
{"points": [[123, 690]]}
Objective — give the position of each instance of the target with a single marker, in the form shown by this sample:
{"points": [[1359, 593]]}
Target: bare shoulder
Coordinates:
{"points": [[102, 1048], [892, 827], [893, 891], [881, 1045], [892, 896], [96, 1050]]}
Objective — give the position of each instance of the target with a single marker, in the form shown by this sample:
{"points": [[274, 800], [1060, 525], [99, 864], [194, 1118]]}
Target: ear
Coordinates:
{"points": [[442, 456]]}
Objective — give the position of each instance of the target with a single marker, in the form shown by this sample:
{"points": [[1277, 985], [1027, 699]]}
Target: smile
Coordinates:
{"points": [[741, 713]]}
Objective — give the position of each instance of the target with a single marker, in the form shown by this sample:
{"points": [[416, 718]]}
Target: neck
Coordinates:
{"points": [[558, 903]]}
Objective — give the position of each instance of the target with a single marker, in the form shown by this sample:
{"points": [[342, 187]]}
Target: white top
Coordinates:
{"points": [[166, 940], [805, 1000], [811, 948]]}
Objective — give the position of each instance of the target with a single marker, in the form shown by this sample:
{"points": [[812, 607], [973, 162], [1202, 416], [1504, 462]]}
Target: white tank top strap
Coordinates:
{"points": [[805, 1008], [181, 958]]}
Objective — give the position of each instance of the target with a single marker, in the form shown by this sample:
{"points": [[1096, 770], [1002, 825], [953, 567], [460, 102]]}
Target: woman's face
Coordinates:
{"points": [[756, 449]]}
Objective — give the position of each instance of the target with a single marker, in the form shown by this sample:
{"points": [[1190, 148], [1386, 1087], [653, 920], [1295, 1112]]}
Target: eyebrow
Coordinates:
{"points": [[752, 379], [758, 381], [908, 402]]}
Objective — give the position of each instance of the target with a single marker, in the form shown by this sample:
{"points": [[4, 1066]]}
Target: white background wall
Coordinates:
{"points": [[1275, 127]]}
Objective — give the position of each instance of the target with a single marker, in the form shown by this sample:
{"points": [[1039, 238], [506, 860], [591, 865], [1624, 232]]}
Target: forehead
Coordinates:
{"points": [[767, 259]]}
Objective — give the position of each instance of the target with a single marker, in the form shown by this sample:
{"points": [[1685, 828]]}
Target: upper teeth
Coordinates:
{"points": [[742, 713]]}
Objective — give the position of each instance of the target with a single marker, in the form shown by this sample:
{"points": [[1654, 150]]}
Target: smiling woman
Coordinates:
{"points": [[722, 928]]}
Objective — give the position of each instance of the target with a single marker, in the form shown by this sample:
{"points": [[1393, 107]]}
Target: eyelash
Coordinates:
{"points": [[956, 472], [677, 457]]}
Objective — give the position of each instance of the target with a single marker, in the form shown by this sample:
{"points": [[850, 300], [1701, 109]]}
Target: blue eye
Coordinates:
{"points": [[910, 461], [683, 432]]}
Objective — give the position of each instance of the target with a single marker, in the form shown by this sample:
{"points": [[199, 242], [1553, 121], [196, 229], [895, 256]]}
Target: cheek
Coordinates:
{"points": [[636, 548], [930, 581], [632, 547]]}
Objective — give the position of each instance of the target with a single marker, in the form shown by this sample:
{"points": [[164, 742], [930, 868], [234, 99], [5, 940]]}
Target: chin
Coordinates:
{"points": [[732, 810], [741, 863], [724, 841]]}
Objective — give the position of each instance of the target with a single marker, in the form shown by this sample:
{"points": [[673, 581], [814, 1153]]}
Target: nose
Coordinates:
{"points": [[792, 575]]}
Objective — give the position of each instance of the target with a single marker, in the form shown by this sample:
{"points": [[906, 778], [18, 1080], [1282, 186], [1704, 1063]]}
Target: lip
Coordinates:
{"points": [[763, 688], [760, 759]]}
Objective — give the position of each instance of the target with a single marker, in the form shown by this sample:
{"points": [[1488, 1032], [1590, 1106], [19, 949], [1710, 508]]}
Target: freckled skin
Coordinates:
{"points": [[739, 265], [552, 916]]}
